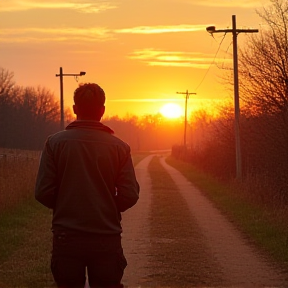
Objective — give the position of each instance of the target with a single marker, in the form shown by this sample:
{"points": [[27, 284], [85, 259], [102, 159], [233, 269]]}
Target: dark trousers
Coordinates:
{"points": [[101, 256]]}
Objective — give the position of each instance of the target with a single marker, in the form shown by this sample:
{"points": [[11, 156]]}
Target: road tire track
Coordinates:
{"points": [[241, 264]]}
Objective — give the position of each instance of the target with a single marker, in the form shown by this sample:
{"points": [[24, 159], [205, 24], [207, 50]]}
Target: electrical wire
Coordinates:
{"points": [[211, 63], [226, 52]]}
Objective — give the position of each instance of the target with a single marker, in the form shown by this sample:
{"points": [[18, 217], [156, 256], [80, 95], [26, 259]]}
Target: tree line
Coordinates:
{"points": [[28, 115]]}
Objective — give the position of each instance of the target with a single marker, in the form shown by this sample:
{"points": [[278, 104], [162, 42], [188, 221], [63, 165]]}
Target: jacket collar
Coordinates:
{"points": [[89, 124]]}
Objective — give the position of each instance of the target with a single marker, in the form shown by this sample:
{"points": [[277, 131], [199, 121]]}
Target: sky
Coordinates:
{"points": [[141, 52]]}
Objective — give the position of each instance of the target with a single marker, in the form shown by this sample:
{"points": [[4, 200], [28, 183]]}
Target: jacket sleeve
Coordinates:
{"points": [[46, 181], [127, 186]]}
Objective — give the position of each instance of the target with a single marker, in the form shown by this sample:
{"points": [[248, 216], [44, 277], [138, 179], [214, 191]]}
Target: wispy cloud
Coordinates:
{"points": [[55, 34], [161, 29], [154, 57], [228, 3], [90, 34], [80, 6]]}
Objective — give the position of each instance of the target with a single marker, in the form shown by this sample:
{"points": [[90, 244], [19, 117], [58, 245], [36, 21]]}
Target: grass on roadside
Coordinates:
{"points": [[25, 245], [252, 219]]}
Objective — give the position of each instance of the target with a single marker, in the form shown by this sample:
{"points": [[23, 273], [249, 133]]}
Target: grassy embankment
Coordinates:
{"points": [[25, 236]]}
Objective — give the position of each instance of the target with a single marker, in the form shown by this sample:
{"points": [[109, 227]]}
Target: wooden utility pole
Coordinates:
{"points": [[235, 33], [61, 99], [185, 122]]}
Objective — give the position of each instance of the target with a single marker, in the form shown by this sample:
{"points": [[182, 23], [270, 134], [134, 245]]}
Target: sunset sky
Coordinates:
{"points": [[140, 51]]}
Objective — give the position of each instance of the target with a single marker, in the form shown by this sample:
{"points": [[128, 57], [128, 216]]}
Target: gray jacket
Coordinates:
{"points": [[86, 176]]}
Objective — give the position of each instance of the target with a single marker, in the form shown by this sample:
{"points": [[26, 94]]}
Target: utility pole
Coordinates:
{"points": [[235, 32], [82, 73], [185, 122], [61, 100]]}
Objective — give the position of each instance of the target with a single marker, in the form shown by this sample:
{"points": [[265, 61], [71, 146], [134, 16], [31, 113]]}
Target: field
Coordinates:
{"points": [[18, 170]]}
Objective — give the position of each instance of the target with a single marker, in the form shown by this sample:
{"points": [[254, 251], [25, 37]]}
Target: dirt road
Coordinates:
{"points": [[228, 259]]}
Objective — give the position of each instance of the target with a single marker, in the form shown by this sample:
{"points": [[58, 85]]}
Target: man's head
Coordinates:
{"points": [[89, 102]]}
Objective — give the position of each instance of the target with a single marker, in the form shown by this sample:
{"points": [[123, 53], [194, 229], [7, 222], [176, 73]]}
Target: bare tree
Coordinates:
{"points": [[7, 106], [263, 72], [264, 63], [38, 114], [6, 81], [27, 115]]}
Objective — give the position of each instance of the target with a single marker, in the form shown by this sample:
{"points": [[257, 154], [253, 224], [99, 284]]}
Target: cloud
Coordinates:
{"points": [[228, 3], [90, 34], [55, 34], [162, 29], [154, 57], [80, 6]]}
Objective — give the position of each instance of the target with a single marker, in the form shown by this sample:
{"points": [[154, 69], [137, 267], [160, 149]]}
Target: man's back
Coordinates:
{"points": [[91, 166]]}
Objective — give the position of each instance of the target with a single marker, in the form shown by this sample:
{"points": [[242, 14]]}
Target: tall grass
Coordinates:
{"points": [[18, 171], [25, 240]]}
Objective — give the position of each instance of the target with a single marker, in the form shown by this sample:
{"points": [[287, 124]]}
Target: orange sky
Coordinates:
{"points": [[140, 51]]}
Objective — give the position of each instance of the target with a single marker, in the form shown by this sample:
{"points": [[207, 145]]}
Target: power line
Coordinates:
{"points": [[211, 63], [226, 52]]}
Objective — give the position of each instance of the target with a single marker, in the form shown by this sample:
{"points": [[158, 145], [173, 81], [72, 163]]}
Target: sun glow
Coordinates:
{"points": [[171, 110]]}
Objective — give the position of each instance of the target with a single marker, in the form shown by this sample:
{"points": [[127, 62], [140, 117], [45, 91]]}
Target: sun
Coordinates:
{"points": [[171, 110]]}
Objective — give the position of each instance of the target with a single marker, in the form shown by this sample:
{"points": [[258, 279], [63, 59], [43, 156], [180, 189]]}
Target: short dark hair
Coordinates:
{"points": [[89, 94]]}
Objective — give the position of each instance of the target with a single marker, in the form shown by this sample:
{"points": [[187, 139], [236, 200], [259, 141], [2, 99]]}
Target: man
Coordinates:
{"points": [[87, 177]]}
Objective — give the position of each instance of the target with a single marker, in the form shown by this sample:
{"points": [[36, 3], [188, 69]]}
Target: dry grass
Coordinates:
{"points": [[25, 239], [18, 171]]}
